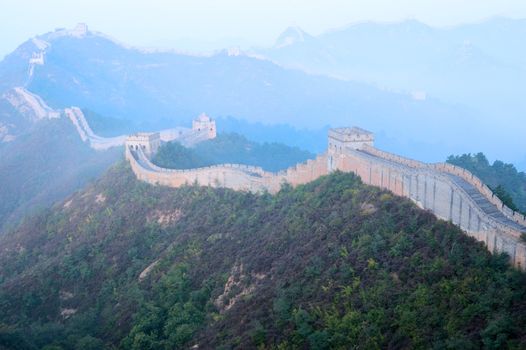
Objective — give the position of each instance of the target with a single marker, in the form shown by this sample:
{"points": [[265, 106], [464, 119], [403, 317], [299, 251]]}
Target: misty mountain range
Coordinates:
{"points": [[163, 89], [292, 102], [481, 65]]}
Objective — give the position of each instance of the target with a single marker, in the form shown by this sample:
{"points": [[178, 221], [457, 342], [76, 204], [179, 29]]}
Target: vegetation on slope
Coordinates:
{"points": [[230, 148], [107, 126], [505, 197], [173, 155], [312, 140], [46, 164], [504, 179], [127, 265]]}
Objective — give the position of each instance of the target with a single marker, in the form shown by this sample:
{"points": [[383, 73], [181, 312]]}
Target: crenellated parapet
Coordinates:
{"points": [[235, 176], [483, 189], [447, 168], [450, 192]]}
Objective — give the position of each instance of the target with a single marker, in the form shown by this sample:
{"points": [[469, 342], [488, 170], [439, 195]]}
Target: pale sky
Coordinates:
{"points": [[212, 24]]}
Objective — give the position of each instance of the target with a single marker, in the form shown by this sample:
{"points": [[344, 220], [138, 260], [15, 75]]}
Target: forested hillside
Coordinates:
{"points": [[107, 126], [231, 148], [45, 164], [508, 183], [329, 265]]}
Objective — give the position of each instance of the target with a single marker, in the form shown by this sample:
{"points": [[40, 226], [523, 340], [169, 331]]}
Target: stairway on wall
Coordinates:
{"points": [[484, 204], [488, 208], [141, 159]]}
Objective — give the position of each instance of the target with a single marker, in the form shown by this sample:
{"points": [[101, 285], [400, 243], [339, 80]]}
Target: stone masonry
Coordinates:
{"points": [[451, 193]]}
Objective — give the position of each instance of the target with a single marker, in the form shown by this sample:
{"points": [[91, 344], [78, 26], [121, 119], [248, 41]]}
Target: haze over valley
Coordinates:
{"points": [[416, 99]]}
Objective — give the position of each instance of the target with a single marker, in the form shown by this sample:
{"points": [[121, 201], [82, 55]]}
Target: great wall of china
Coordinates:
{"points": [[451, 193]]}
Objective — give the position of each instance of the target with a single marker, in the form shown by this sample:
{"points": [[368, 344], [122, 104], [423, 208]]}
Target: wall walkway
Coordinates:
{"points": [[451, 193], [234, 176]]}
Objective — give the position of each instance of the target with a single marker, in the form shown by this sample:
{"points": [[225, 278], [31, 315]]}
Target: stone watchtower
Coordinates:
{"points": [[148, 142], [342, 139], [204, 123], [354, 138]]}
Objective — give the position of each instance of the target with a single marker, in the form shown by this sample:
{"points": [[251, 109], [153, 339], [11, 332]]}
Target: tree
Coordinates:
{"points": [[505, 197]]}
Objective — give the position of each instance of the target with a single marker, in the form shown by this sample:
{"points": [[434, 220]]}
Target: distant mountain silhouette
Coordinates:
{"points": [[149, 90], [481, 65], [464, 64], [159, 89]]}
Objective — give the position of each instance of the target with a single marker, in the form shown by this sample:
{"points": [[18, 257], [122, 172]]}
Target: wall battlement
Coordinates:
{"points": [[235, 176], [450, 192], [454, 170]]}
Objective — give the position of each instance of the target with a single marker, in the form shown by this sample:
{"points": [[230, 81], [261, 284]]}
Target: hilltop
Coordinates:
{"points": [[452, 63], [129, 265]]}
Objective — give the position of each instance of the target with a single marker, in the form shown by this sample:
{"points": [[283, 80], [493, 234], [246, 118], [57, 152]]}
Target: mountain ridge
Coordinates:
{"points": [[479, 66], [135, 266], [269, 82]]}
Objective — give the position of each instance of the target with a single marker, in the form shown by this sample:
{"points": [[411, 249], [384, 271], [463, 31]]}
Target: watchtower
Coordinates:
{"points": [[80, 30], [353, 138], [204, 123], [343, 139], [148, 142]]}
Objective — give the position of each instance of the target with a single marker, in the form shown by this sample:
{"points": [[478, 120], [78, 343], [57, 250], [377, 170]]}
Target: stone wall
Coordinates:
{"points": [[454, 170], [431, 189], [234, 176], [482, 188], [451, 193], [76, 116]]}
